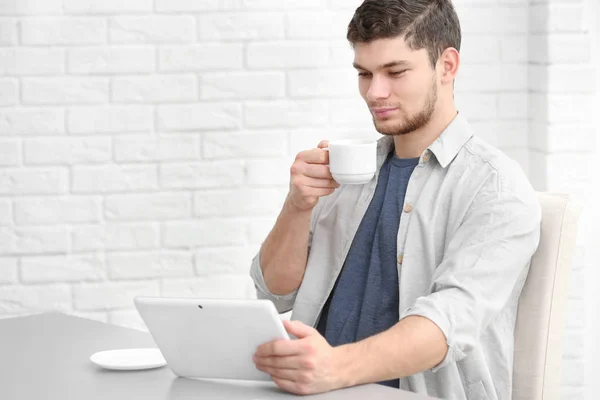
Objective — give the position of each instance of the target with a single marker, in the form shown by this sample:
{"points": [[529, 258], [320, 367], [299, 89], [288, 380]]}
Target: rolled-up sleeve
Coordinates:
{"points": [[283, 303], [483, 267]]}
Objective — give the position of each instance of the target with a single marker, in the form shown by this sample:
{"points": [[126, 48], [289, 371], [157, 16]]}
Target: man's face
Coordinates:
{"points": [[398, 84]]}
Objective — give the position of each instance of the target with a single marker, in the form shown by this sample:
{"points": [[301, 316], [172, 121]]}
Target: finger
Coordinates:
{"points": [[290, 362], [314, 156], [292, 375], [318, 192], [314, 171], [320, 183], [323, 144], [282, 347], [299, 329]]}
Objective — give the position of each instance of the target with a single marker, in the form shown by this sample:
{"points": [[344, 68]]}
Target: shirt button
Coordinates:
{"points": [[407, 208], [426, 157], [400, 258]]}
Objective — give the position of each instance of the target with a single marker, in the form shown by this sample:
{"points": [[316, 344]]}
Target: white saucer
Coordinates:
{"points": [[129, 359]]}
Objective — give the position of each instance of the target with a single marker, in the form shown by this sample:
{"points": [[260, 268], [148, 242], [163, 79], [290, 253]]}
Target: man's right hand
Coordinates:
{"points": [[310, 178]]}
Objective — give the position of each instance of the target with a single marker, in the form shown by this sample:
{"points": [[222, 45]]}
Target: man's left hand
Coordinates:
{"points": [[307, 365]]}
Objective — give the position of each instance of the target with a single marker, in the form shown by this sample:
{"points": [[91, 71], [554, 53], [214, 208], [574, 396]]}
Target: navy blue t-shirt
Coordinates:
{"points": [[364, 300]]}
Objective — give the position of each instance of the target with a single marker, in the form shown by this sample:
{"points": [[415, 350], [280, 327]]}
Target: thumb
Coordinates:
{"points": [[323, 144], [298, 329]]}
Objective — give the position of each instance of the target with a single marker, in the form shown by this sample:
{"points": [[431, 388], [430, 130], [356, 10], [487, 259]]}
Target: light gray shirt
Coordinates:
{"points": [[470, 225]]}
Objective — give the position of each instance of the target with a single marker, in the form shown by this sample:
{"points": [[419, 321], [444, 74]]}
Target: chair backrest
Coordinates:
{"points": [[542, 305]]}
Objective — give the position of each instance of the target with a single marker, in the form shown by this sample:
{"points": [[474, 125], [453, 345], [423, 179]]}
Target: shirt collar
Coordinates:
{"points": [[445, 147]]}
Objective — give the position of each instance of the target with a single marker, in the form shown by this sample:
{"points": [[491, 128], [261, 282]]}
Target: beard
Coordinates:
{"points": [[412, 122]]}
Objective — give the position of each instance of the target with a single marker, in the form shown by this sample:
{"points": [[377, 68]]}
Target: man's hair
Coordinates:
{"points": [[429, 24]]}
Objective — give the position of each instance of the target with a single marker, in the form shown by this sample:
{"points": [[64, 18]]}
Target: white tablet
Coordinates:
{"points": [[211, 338]]}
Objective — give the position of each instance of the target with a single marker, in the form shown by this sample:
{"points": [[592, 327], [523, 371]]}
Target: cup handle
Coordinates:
{"points": [[327, 150]]}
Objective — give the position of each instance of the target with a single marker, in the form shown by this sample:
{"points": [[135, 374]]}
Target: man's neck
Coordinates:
{"points": [[412, 145]]}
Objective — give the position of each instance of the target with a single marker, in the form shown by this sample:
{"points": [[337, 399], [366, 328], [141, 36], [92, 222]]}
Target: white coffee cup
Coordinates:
{"points": [[352, 161]]}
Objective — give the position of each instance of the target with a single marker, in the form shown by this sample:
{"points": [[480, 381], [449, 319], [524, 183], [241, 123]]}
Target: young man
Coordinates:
{"points": [[413, 279]]}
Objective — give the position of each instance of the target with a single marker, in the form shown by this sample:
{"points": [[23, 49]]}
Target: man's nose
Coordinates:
{"points": [[379, 89]]}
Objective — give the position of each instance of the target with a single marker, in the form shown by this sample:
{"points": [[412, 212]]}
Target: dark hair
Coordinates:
{"points": [[429, 24]]}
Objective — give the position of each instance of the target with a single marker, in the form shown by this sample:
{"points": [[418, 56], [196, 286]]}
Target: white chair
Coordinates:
{"points": [[542, 306]]}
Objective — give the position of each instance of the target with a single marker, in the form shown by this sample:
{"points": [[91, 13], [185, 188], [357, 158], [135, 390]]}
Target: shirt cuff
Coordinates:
{"points": [[427, 308]]}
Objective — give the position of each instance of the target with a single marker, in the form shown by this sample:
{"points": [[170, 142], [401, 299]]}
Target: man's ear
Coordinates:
{"points": [[448, 64]]}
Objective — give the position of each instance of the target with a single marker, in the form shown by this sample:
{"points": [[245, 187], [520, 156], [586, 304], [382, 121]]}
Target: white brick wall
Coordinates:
{"points": [[114, 236], [109, 119], [113, 178], [34, 240], [9, 91], [287, 54], [67, 31], [10, 152], [25, 180], [106, 6], [156, 206], [172, 88], [162, 264], [57, 210], [592, 299], [207, 116], [562, 84], [246, 85], [67, 150], [73, 90], [157, 148], [113, 60], [202, 175], [63, 268], [200, 233], [201, 57], [248, 144], [9, 269], [31, 7], [8, 31], [31, 61], [240, 26], [152, 29], [25, 121], [145, 145]]}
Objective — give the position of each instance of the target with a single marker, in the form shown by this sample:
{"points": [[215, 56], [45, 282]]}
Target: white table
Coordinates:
{"points": [[46, 356]]}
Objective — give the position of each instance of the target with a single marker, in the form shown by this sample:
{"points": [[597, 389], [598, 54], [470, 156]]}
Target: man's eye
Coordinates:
{"points": [[363, 74], [398, 72]]}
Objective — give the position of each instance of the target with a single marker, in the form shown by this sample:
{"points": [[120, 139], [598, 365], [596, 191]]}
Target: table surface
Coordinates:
{"points": [[47, 356]]}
